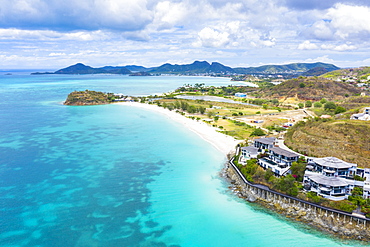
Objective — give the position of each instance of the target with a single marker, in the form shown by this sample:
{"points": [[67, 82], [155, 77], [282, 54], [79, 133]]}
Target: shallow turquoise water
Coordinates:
{"points": [[115, 175]]}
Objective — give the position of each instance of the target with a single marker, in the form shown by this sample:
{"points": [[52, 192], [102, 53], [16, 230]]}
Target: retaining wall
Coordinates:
{"points": [[342, 224]]}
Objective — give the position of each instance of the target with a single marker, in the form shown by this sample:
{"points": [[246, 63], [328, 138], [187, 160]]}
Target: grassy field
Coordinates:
{"points": [[223, 115]]}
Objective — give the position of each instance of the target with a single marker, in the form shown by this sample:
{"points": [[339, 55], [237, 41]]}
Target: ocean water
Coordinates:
{"points": [[116, 175]]}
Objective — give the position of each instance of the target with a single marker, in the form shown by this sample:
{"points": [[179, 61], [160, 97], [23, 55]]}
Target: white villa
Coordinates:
{"points": [[332, 178], [249, 152], [333, 167], [279, 161], [362, 116], [264, 143]]}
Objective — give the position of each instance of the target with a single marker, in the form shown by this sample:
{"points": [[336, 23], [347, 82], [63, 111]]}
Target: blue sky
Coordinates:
{"points": [[50, 34]]}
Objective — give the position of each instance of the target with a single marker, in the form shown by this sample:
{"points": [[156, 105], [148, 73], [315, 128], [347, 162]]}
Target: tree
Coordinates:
{"points": [[308, 103], [330, 106], [258, 132], [302, 85], [265, 106], [317, 105], [286, 184], [339, 109], [300, 105], [201, 110], [191, 109], [298, 170], [211, 113], [323, 101], [268, 174], [275, 102]]}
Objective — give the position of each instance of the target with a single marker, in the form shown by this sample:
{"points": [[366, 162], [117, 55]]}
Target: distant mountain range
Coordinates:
{"points": [[198, 67]]}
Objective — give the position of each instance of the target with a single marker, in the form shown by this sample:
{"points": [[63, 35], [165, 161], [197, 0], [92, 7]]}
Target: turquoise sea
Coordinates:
{"points": [[116, 175]]}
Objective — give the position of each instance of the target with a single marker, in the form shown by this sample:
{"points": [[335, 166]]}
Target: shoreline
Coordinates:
{"points": [[225, 144]]}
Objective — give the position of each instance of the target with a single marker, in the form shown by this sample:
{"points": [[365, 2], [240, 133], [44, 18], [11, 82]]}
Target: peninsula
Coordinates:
{"points": [[88, 97]]}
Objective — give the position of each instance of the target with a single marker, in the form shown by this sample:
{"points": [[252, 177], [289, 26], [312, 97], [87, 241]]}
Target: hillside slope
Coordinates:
{"points": [[311, 89], [361, 73], [288, 68], [345, 139]]}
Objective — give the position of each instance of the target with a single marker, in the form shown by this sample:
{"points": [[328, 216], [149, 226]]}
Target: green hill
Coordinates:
{"points": [[345, 139], [352, 74], [82, 69], [310, 89], [88, 97], [288, 68], [317, 71], [194, 68]]}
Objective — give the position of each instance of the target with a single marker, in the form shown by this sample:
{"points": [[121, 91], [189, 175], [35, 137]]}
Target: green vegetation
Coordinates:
{"points": [[256, 174], [258, 132], [349, 74], [89, 98], [344, 139], [298, 169], [312, 88]]}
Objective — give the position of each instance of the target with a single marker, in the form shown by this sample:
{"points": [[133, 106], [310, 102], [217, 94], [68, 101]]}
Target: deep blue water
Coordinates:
{"points": [[116, 175]]}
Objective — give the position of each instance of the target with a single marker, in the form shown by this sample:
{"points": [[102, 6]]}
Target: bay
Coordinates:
{"points": [[115, 175]]}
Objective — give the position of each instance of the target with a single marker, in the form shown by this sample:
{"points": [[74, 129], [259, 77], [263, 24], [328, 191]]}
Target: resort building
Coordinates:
{"points": [[333, 167], [362, 116], [329, 177], [333, 178], [264, 143], [279, 161], [249, 152], [328, 187]]}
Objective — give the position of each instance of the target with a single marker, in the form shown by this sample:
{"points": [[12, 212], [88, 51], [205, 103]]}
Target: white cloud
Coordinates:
{"points": [[18, 34], [307, 45], [342, 22], [209, 37], [56, 54], [168, 14], [323, 59], [349, 20], [343, 47]]}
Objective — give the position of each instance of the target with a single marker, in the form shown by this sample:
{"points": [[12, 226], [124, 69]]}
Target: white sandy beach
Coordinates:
{"points": [[222, 142]]}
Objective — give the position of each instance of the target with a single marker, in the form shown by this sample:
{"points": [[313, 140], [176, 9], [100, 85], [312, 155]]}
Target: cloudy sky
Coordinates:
{"points": [[51, 34]]}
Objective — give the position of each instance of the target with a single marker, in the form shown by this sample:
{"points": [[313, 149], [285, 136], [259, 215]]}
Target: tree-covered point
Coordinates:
{"points": [[88, 97]]}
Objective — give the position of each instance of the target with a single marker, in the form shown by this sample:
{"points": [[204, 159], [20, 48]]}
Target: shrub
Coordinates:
{"points": [[258, 132], [330, 106], [339, 109]]}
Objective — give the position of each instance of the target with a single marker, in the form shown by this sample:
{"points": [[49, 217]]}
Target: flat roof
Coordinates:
{"points": [[283, 152], [328, 181], [250, 149], [266, 140], [333, 162]]}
